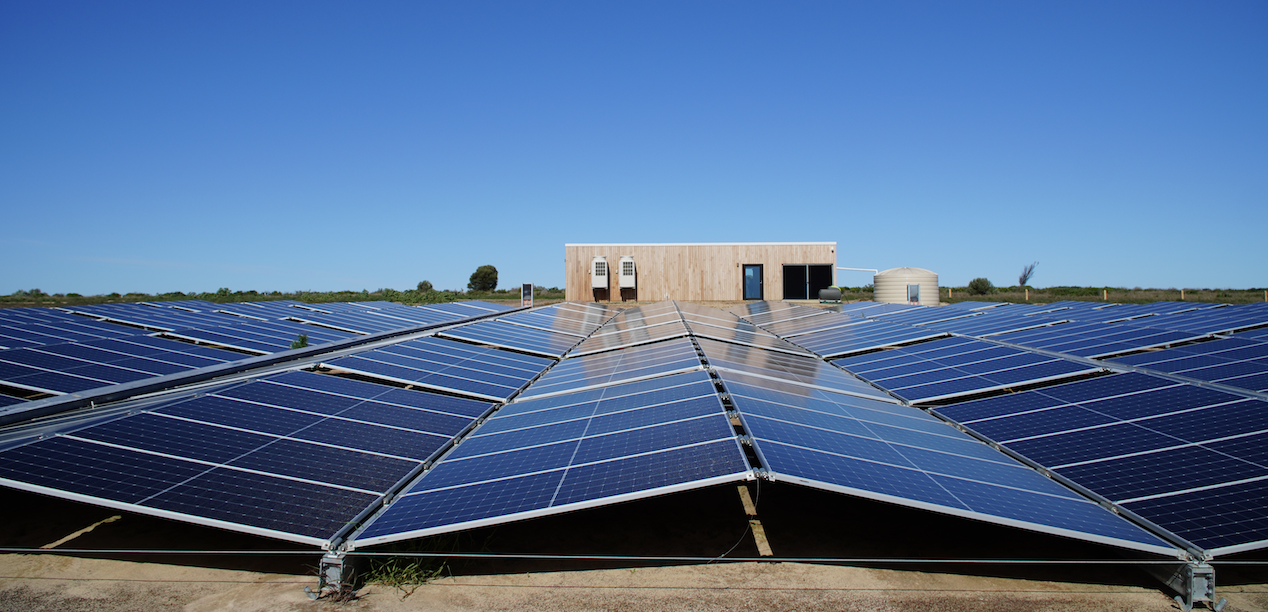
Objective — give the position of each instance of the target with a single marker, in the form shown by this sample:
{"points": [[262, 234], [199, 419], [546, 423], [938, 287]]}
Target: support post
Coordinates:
{"points": [[1194, 581], [335, 577]]}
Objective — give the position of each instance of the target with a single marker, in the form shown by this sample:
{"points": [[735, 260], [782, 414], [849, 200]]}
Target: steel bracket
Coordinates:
{"points": [[1194, 581]]}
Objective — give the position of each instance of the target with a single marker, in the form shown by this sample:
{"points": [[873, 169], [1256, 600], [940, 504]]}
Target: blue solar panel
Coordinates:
{"points": [[863, 337], [780, 366], [947, 470], [505, 335], [953, 367], [619, 444], [616, 366], [448, 366]]}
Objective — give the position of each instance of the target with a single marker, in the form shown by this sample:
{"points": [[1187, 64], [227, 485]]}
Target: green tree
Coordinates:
{"points": [[485, 278], [424, 286], [980, 286]]}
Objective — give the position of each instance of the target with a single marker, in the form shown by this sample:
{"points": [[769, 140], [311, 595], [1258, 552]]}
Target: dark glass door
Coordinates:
{"points": [[753, 281], [795, 282]]}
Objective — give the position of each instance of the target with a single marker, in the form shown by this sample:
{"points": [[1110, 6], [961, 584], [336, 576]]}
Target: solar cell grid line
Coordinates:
{"points": [[862, 338], [797, 327], [299, 478], [625, 365], [801, 370], [781, 316], [925, 315], [505, 335], [236, 341], [474, 377], [1130, 438], [360, 322], [1220, 321], [838, 444], [867, 309], [449, 351], [626, 326], [994, 324], [621, 449], [415, 315], [629, 337], [291, 330], [763, 340], [553, 326]]}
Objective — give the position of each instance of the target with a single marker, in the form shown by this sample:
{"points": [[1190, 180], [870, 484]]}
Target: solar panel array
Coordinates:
{"points": [[75, 349], [1192, 460], [570, 406]]}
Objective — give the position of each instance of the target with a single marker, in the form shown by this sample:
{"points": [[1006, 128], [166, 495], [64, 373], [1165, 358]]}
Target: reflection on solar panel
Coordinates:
{"points": [[568, 452], [514, 337], [561, 320], [625, 365], [631, 413], [1189, 459], [866, 336], [295, 456], [801, 370], [898, 454], [1229, 361], [633, 336], [805, 325], [449, 366], [953, 367]]}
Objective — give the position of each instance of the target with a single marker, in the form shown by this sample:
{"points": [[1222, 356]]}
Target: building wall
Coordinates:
{"points": [[706, 271]]}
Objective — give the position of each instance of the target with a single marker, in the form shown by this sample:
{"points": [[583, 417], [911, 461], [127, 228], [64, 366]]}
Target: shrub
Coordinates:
{"points": [[424, 286], [980, 286], [485, 278]]}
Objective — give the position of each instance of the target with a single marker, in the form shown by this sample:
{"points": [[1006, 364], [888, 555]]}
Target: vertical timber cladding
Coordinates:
{"points": [[693, 271]]}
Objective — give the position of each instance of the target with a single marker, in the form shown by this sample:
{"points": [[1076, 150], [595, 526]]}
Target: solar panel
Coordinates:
{"points": [[805, 325], [865, 336], [514, 337], [1095, 340], [901, 455], [276, 457], [1231, 361], [923, 315], [454, 367], [617, 447], [630, 337], [625, 365], [952, 367], [1147, 444], [763, 340], [801, 370], [560, 320], [994, 322]]}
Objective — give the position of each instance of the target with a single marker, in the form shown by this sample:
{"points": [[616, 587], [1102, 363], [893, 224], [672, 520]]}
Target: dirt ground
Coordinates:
{"points": [[799, 522]]}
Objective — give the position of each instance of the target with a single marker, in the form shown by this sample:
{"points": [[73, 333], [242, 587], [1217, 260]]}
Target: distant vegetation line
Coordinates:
{"points": [[35, 297]]}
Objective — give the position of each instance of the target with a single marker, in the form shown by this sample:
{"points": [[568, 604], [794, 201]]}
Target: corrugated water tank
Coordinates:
{"points": [[599, 273], [906, 286], [627, 272]]}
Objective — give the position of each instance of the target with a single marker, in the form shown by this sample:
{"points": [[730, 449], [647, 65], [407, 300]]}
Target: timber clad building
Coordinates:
{"points": [[699, 271]]}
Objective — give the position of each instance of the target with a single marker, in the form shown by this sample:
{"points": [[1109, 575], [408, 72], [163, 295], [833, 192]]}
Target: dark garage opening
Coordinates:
{"points": [[803, 281]]}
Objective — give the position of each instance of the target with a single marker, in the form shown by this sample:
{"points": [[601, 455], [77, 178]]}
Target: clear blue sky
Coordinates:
{"points": [[186, 146]]}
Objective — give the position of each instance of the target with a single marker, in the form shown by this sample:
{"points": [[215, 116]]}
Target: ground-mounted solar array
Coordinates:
{"points": [[397, 422]]}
